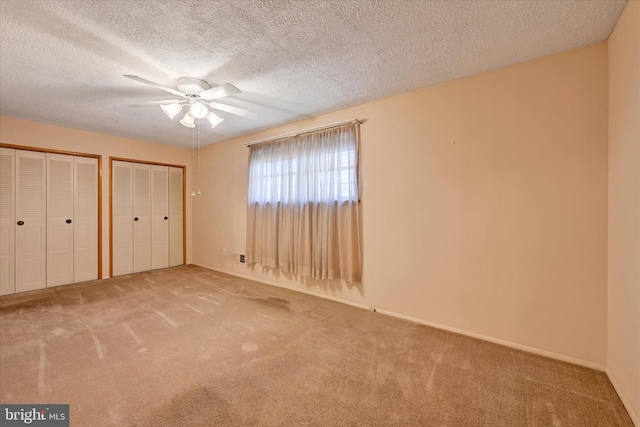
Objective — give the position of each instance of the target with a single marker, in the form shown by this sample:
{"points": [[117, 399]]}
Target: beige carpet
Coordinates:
{"points": [[191, 347]]}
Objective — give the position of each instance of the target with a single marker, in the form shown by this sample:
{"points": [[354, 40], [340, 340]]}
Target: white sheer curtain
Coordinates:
{"points": [[303, 206]]}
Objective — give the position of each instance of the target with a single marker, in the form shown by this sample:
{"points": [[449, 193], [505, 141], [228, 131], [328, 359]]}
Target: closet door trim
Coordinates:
{"points": [[184, 204], [77, 154]]}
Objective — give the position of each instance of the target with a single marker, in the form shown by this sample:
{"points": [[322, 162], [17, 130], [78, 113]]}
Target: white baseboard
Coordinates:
{"points": [[506, 343], [280, 285], [634, 417], [522, 347]]}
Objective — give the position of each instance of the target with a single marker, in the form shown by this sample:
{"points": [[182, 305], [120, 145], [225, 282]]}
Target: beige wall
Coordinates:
{"points": [[31, 134], [484, 205], [624, 209]]}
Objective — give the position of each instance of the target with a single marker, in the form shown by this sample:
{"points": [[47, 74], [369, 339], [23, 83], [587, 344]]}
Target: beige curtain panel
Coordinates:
{"points": [[303, 206]]}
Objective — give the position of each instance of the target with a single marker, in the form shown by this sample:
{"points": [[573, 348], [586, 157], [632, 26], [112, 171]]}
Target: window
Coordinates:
{"points": [[303, 211], [319, 167]]}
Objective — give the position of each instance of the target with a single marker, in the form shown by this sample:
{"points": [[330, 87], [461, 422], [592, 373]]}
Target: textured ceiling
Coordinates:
{"points": [[62, 62]]}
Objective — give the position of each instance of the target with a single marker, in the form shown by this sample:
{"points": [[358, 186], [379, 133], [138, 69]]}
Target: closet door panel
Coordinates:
{"points": [[160, 217], [31, 265], [7, 221], [122, 218], [141, 217], [85, 219], [176, 217], [59, 219]]}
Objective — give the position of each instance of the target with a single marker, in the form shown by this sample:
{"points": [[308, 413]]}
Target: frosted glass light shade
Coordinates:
{"points": [[198, 110], [171, 109], [214, 119], [188, 120]]}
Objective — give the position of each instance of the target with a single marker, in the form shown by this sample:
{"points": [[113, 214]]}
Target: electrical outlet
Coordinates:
{"points": [[224, 252], [241, 259]]}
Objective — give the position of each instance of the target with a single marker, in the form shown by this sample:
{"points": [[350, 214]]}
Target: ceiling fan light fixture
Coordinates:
{"points": [[188, 120], [199, 110], [214, 119], [171, 109]]}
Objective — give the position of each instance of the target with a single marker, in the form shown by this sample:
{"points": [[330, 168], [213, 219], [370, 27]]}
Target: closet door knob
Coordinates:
{"points": [[166, 218], [135, 219], [20, 222], [68, 221]]}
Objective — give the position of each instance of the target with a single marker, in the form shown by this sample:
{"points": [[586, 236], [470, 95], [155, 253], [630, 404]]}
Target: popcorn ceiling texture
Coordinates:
{"points": [[61, 62]]}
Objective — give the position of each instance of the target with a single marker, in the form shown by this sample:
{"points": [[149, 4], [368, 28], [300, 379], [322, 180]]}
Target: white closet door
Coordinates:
{"points": [[59, 219], [31, 255], [160, 217], [176, 217], [85, 220], [122, 218], [7, 221], [141, 217]]}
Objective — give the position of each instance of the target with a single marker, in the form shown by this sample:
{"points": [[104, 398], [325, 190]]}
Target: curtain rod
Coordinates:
{"points": [[289, 135]]}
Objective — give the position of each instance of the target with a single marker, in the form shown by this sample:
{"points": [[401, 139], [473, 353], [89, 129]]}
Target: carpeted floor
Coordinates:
{"points": [[191, 347]]}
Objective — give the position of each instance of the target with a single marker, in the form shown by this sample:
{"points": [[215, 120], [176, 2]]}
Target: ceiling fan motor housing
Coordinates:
{"points": [[192, 86]]}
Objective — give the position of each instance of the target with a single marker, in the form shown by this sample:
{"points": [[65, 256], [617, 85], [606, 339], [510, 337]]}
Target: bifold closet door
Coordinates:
{"points": [[7, 221], [85, 219], [160, 217], [141, 217], [31, 254], [60, 211], [48, 220], [176, 217], [122, 218], [147, 217]]}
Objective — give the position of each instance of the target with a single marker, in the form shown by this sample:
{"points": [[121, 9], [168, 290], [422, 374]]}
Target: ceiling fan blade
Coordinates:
{"points": [[150, 83], [233, 110], [219, 91], [166, 101]]}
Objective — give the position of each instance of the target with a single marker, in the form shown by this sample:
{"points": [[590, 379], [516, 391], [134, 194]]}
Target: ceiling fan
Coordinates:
{"points": [[198, 95]]}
